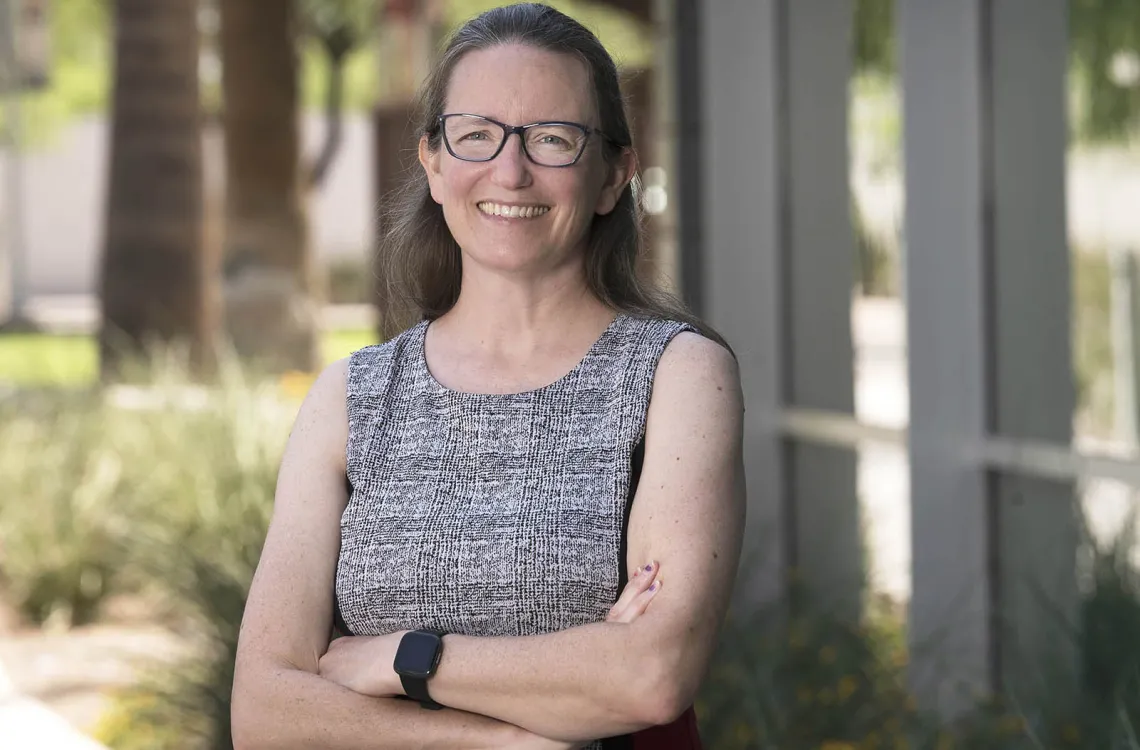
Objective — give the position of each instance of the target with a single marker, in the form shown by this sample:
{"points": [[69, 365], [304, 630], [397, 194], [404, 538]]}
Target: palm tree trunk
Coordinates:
{"points": [[154, 286], [270, 288]]}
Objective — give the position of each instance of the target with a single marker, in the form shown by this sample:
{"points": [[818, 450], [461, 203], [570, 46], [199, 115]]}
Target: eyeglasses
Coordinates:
{"points": [[548, 144]]}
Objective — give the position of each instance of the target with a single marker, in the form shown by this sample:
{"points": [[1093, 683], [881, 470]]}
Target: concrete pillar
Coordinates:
{"points": [[776, 261], [987, 279]]}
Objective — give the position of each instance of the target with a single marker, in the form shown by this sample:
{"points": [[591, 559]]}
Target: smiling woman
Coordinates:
{"points": [[524, 509]]}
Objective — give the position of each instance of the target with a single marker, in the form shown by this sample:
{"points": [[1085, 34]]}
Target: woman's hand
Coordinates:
{"points": [[364, 664], [642, 587]]}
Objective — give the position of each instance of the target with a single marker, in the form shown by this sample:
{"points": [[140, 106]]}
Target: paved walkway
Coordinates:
{"points": [[26, 724]]}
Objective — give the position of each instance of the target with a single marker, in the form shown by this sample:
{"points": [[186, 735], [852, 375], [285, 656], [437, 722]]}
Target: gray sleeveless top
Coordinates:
{"points": [[491, 514]]}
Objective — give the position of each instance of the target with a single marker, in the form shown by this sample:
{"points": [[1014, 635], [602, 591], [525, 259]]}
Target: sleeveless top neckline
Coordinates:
{"points": [[418, 353]]}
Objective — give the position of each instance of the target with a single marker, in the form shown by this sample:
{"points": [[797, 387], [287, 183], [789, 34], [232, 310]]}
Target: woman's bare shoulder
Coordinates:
{"points": [[693, 364]]}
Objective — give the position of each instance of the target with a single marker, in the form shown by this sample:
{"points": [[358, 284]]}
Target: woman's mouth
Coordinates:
{"points": [[512, 211]]}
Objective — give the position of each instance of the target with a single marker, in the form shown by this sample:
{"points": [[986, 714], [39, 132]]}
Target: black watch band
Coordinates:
{"points": [[416, 689]]}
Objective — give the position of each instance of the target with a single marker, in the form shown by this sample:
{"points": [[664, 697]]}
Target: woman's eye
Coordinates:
{"points": [[473, 136]]}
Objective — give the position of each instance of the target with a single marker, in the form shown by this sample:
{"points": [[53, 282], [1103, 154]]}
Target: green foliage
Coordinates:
{"points": [[61, 535], [361, 73], [48, 360], [197, 537], [875, 36], [1101, 29], [333, 18], [344, 30], [794, 677], [163, 490], [39, 360], [80, 69], [799, 678]]}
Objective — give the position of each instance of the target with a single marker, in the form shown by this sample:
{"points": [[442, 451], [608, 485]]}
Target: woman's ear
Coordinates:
{"points": [[619, 173], [429, 160]]}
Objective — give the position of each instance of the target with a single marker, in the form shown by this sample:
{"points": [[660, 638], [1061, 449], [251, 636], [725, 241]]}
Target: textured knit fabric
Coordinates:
{"points": [[491, 514]]}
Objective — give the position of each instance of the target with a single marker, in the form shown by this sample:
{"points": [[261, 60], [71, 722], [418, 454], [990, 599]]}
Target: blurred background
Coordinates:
{"points": [[916, 221]]}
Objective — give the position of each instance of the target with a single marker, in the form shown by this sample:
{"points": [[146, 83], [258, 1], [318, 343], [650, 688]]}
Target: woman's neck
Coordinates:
{"points": [[517, 319]]}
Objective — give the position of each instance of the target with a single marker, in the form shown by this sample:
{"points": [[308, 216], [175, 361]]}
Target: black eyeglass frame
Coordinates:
{"points": [[509, 130]]}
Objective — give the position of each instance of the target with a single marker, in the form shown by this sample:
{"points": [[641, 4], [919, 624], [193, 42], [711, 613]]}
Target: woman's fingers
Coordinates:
{"points": [[640, 602], [642, 586]]}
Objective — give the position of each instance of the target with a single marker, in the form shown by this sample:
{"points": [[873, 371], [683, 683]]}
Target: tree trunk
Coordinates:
{"points": [[269, 285], [154, 276]]}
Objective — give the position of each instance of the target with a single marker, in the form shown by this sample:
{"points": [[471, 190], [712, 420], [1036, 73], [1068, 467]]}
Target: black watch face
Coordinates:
{"points": [[416, 656]]}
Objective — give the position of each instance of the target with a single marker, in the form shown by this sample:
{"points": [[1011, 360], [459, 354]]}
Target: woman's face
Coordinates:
{"points": [[518, 85]]}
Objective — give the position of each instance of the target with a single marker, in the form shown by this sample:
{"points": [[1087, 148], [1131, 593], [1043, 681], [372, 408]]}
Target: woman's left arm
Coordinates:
{"points": [[609, 678]]}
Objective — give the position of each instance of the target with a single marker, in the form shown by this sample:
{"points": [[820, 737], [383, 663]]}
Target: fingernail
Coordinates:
{"points": [[649, 567], [654, 586], [637, 572]]}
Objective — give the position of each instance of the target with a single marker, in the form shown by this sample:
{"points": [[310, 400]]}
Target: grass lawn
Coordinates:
{"points": [[43, 359]]}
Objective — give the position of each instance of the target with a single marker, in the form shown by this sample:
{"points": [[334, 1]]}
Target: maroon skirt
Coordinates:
{"points": [[682, 734]]}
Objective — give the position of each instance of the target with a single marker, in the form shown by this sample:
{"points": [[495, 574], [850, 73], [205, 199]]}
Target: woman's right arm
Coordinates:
{"points": [[279, 701]]}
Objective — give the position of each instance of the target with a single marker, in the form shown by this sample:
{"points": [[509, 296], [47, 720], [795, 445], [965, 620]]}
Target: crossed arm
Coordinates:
{"points": [[592, 681]]}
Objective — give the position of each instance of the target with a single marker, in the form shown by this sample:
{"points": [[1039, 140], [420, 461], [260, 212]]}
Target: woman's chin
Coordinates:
{"points": [[506, 259]]}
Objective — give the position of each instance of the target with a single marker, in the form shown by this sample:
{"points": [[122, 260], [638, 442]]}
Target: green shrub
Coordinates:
{"points": [[63, 480], [163, 489], [198, 530], [794, 677]]}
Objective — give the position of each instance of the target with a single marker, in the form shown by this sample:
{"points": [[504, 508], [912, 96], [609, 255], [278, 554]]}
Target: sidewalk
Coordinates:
{"points": [[27, 725]]}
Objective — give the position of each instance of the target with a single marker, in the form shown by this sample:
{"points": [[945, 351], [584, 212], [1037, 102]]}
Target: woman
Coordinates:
{"points": [[464, 501]]}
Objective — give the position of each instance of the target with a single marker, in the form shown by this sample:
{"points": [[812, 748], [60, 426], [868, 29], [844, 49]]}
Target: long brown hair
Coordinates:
{"points": [[420, 260]]}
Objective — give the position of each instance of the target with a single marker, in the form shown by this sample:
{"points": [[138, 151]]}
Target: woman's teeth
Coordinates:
{"points": [[513, 212]]}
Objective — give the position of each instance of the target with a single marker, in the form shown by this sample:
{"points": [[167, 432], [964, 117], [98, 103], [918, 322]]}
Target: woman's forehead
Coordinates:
{"points": [[519, 84]]}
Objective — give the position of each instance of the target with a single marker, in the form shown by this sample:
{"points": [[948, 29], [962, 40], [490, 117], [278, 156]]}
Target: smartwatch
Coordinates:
{"points": [[416, 660]]}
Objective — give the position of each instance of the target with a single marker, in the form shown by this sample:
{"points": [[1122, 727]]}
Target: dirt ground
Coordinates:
{"points": [[73, 672]]}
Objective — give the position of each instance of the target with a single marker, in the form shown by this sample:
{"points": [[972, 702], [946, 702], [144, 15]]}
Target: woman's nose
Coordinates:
{"points": [[512, 167]]}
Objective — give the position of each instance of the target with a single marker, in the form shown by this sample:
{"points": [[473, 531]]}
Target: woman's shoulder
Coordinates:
{"points": [[687, 355], [698, 380], [371, 363], [677, 337]]}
